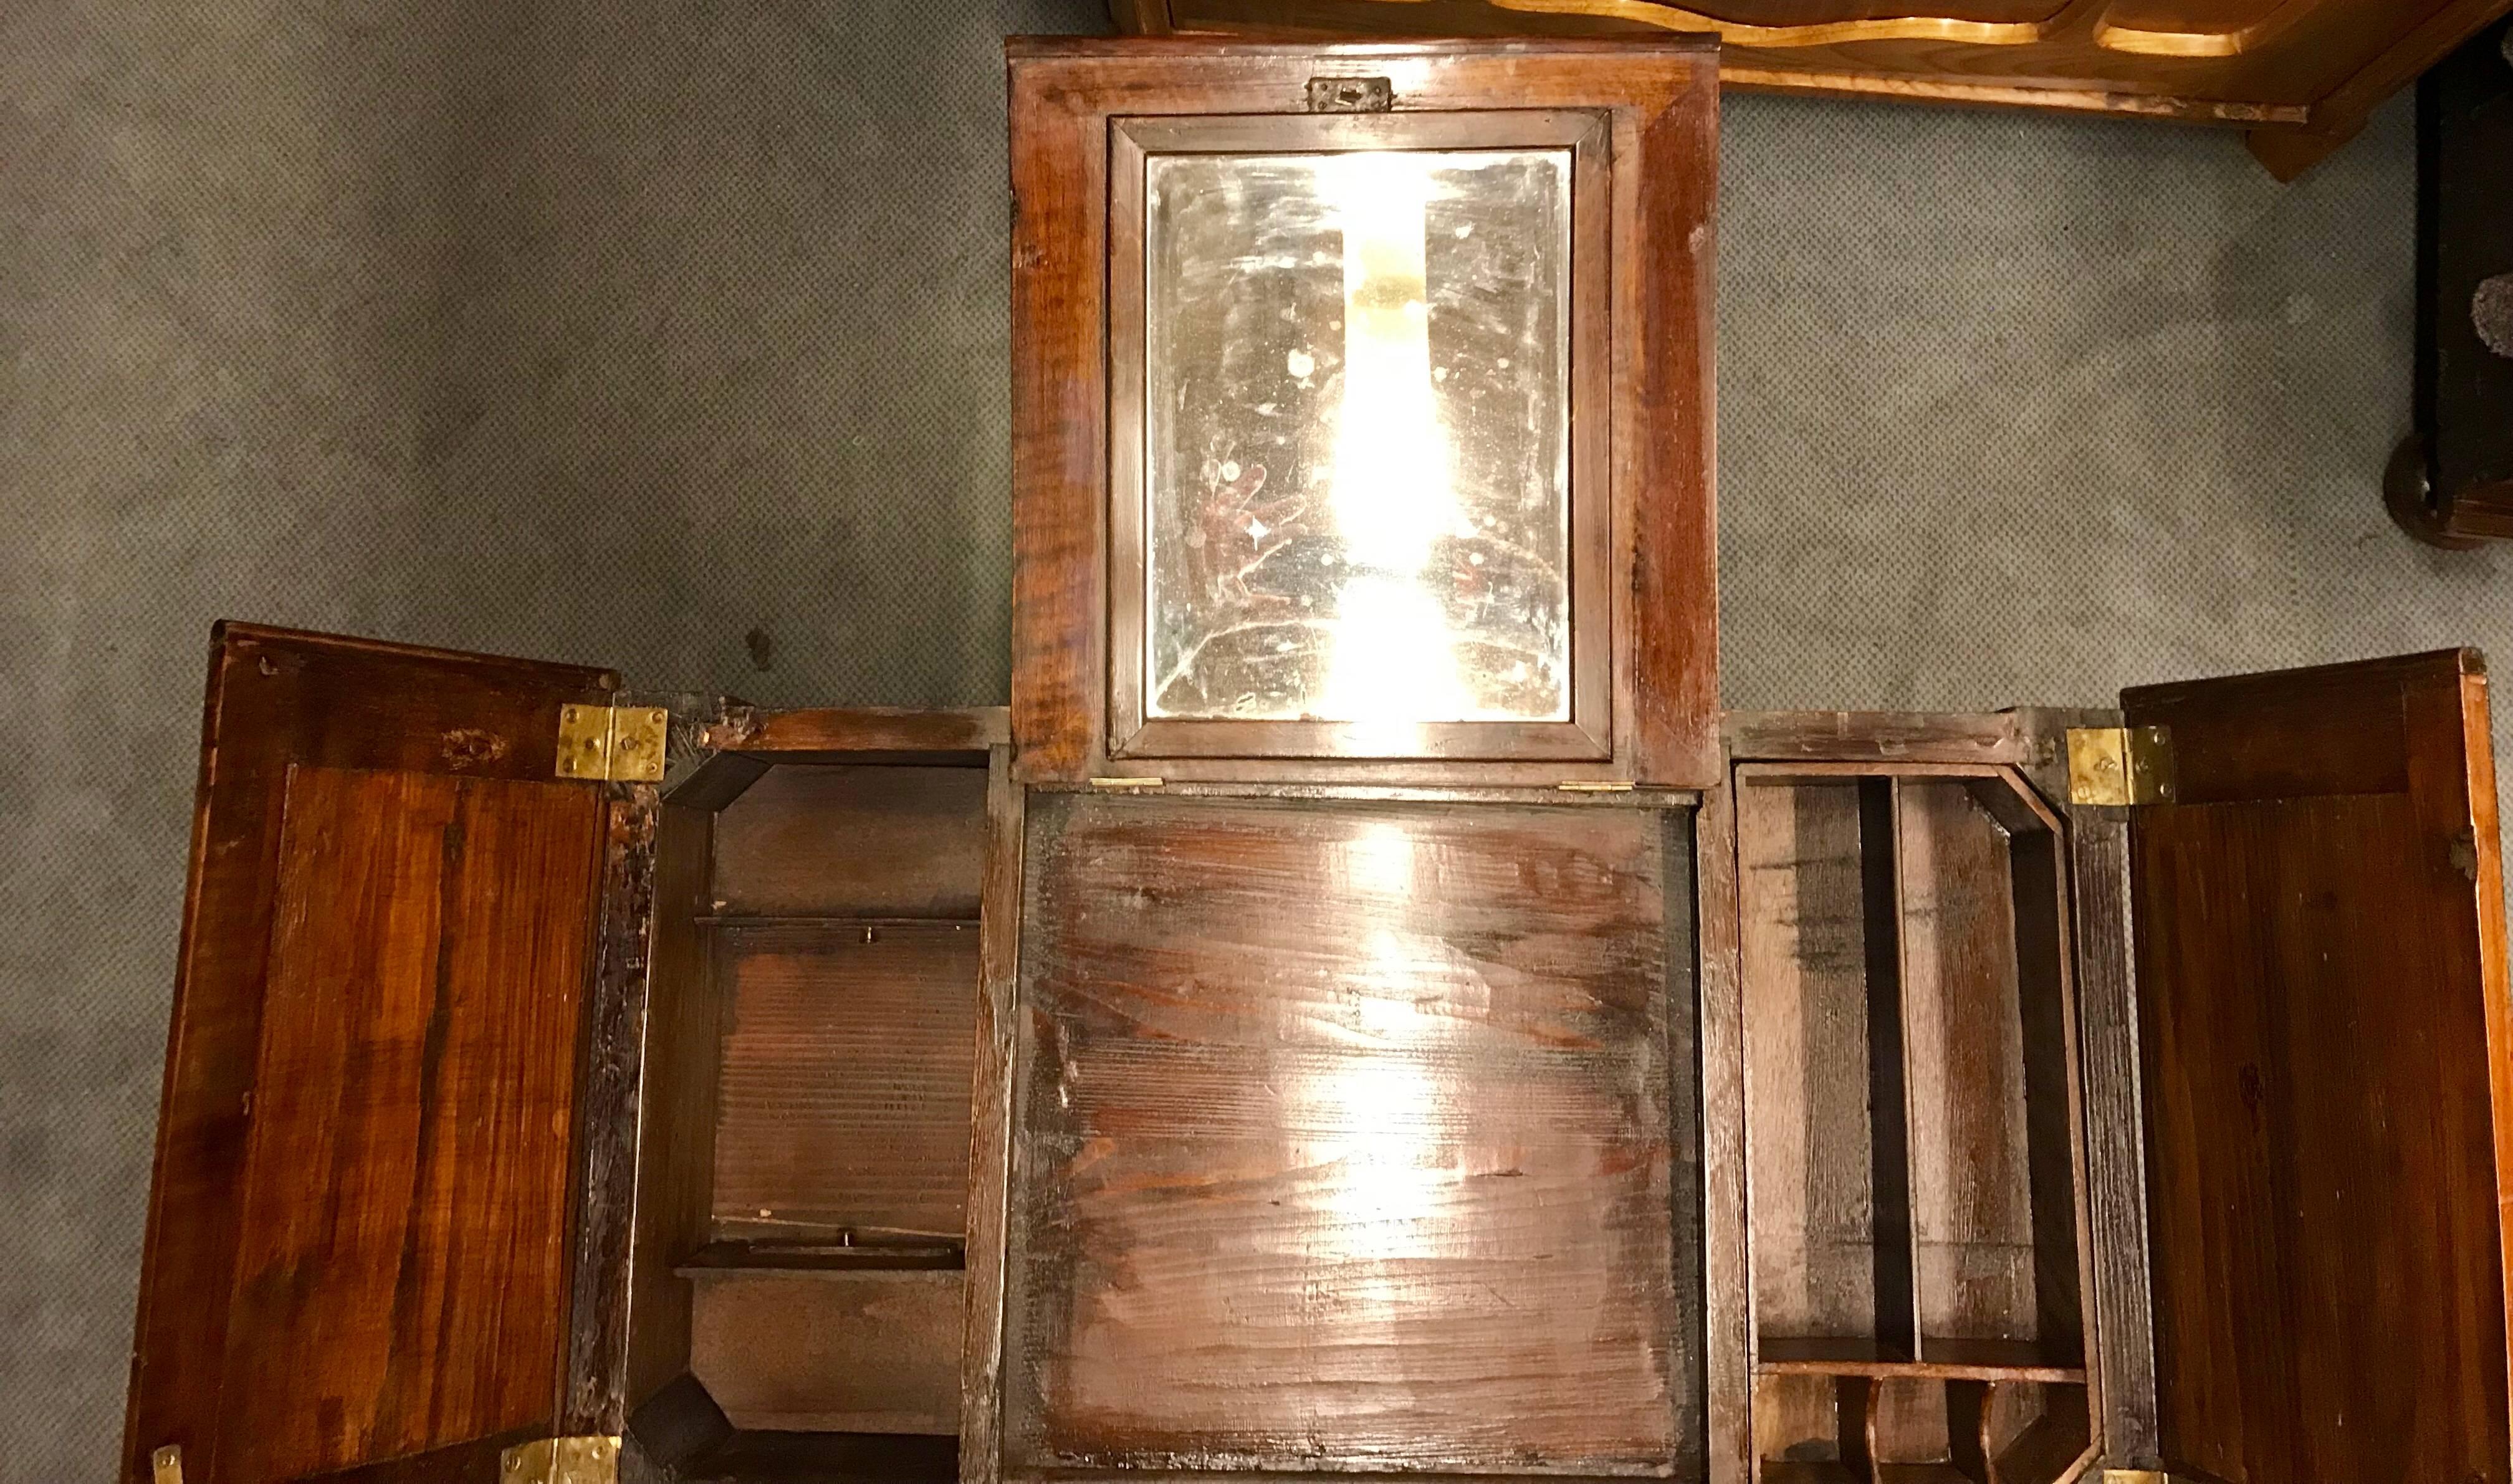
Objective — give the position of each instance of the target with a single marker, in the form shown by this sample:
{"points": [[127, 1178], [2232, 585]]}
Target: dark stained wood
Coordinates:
{"points": [[1321, 1167], [1883, 736], [860, 1351], [2322, 979], [2115, 1142], [677, 1103], [277, 699], [990, 1124], [1727, 1269], [861, 841], [404, 1183], [844, 1098], [2302, 77], [1823, 1075], [594, 1400], [837, 731], [1987, 1048], [1662, 113], [823, 1457], [477, 1458], [2452, 481], [676, 1425]]}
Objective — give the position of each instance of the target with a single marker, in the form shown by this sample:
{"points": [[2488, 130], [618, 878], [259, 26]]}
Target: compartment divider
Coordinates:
{"points": [[1896, 1245]]}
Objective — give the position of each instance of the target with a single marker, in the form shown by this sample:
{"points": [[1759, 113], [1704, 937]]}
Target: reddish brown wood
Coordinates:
{"points": [[1727, 1268], [1321, 1166], [1662, 114], [2322, 976], [844, 1103], [883, 841], [279, 699], [595, 1395], [675, 1138], [842, 729], [404, 1187], [1884, 737], [990, 1124], [831, 1351]]}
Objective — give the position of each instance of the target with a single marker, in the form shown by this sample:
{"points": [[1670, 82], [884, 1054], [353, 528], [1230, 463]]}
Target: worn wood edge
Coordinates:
{"points": [[1997, 737], [990, 1126], [609, 1080], [859, 729], [475, 1459], [2122, 1345], [1747, 71], [1550, 796], [136, 1449], [1727, 1356], [2495, 974], [2428, 666], [232, 636], [1226, 45]]}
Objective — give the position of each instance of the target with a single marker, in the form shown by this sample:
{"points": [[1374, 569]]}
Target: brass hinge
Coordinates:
{"points": [[561, 1461], [621, 745], [166, 1465], [2120, 765]]}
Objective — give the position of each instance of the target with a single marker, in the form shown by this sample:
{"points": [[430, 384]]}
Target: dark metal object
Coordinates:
{"points": [[2451, 484], [1351, 94]]}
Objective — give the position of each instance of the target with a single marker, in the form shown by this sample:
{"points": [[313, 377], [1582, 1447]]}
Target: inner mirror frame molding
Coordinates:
{"points": [[1640, 125]]}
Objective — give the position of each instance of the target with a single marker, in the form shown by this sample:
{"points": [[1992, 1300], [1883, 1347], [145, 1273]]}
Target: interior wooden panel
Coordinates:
{"points": [[1917, 1429], [1830, 1186], [1910, 1106], [2323, 997], [676, 1139], [1343, 1141], [867, 841], [843, 1100], [2319, 1153], [406, 1181], [1983, 1258], [831, 1351]]}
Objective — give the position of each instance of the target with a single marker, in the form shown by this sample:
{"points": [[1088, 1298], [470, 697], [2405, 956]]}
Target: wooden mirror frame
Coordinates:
{"points": [[1644, 708]]}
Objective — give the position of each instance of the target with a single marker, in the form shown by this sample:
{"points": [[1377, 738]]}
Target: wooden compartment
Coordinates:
{"points": [[815, 998], [1910, 1117], [1902, 1428]]}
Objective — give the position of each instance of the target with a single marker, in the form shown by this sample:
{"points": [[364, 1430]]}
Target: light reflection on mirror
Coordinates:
{"points": [[1357, 401]]}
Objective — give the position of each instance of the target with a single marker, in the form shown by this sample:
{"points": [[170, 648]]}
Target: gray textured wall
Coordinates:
{"points": [[616, 333]]}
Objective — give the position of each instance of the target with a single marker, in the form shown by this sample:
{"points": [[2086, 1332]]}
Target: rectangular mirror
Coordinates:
{"points": [[1358, 404], [1347, 356]]}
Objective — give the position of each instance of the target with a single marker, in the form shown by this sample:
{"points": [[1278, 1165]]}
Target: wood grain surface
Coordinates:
{"points": [[859, 841], [276, 699], [406, 1185], [1662, 114], [1344, 1141], [2322, 976], [831, 1351], [844, 1097]]}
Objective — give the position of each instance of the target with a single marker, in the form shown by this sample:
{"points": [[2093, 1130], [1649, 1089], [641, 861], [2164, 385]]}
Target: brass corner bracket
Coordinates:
{"points": [[561, 1461]]}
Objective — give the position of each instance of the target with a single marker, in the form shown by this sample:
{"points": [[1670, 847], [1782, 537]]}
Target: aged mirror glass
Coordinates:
{"points": [[1357, 373]]}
